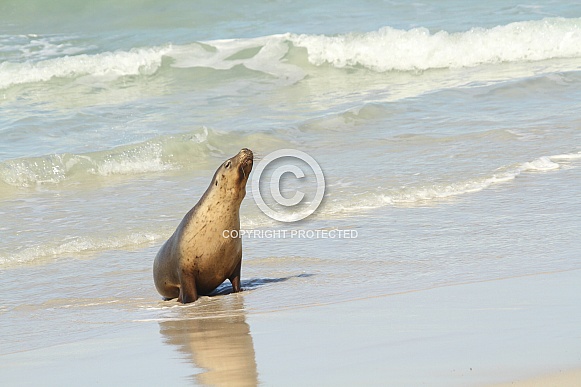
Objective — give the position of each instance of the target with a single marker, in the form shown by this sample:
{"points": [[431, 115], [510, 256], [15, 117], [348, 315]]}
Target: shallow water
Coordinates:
{"points": [[448, 135]]}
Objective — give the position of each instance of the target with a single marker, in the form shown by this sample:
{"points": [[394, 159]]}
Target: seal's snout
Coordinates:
{"points": [[245, 160], [247, 152], [246, 156]]}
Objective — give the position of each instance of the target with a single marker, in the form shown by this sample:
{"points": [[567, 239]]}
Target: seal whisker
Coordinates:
{"points": [[258, 156]]}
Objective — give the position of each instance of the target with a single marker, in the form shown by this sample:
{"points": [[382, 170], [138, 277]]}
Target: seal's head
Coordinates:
{"points": [[230, 179]]}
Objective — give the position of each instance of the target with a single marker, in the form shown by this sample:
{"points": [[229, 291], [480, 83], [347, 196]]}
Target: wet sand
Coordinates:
{"points": [[520, 331], [560, 379]]}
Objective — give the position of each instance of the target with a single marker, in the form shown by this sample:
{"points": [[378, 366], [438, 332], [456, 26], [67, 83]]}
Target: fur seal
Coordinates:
{"points": [[197, 258]]}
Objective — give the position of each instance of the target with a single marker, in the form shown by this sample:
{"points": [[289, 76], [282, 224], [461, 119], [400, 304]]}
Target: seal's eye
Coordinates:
{"points": [[228, 163]]}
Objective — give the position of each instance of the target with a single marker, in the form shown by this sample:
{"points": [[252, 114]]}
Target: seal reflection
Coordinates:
{"points": [[214, 335]]}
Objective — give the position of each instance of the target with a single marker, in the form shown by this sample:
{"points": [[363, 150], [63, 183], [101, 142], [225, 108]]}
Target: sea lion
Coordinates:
{"points": [[198, 257]]}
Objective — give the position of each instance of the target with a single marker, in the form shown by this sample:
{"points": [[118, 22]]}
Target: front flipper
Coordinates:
{"points": [[188, 292], [235, 278]]}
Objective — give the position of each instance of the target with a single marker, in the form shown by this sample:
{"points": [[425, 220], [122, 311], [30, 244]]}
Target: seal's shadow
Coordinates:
{"points": [[253, 283]]}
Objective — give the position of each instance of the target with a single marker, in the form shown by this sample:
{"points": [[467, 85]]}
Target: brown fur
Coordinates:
{"points": [[197, 258]]}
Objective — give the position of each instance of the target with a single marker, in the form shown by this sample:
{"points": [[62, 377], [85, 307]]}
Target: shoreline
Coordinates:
{"points": [[518, 331]]}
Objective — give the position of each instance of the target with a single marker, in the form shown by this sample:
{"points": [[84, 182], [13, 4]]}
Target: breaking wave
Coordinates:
{"points": [[111, 65], [192, 150], [74, 246], [419, 49], [288, 56], [424, 195]]}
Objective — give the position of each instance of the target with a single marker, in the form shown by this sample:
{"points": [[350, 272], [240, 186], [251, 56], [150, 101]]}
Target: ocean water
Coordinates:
{"points": [[448, 132]]}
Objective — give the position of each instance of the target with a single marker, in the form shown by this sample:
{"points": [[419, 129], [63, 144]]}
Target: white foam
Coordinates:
{"points": [[108, 64], [505, 174], [35, 47], [133, 161], [568, 156], [383, 50], [393, 49], [164, 153], [53, 169], [419, 49], [540, 164], [221, 55], [75, 246], [421, 195]]}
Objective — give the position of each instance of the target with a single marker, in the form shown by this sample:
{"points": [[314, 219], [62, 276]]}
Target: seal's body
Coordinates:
{"points": [[200, 255]]}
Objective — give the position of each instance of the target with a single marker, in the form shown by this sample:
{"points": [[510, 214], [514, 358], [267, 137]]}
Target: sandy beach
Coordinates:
{"points": [[563, 378], [518, 331]]}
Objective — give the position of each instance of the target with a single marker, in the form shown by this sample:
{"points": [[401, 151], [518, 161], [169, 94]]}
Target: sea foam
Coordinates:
{"points": [[108, 64], [419, 49], [57, 168], [427, 194], [77, 245], [189, 150], [387, 49]]}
